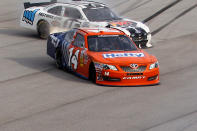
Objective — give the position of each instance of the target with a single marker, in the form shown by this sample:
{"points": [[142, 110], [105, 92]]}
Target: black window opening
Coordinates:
{"points": [[56, 10], [72, 13], [110, 43], [100, 14]]}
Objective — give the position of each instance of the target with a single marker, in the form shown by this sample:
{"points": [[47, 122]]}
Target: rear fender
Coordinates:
{"points": [[52, 44], [55, 42]]}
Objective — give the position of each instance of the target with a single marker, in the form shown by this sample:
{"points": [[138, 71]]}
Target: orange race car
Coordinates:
{"points": [[105, 56]]}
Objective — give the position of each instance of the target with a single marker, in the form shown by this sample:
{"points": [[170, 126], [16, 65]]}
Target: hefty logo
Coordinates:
{"points": [[134, 78], [29, 16], [115, 55]]}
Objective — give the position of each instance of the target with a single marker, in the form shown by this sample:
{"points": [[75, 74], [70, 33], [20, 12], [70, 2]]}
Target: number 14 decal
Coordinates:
{"points": [[73, 58]]}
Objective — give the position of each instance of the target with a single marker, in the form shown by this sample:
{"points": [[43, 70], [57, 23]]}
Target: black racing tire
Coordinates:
{"points": [[43, 29], [58, 59], [92, 73]]}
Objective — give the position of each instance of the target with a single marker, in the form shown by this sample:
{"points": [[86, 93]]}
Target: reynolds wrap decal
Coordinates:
{"points": [[115, 55], [28, 16]]}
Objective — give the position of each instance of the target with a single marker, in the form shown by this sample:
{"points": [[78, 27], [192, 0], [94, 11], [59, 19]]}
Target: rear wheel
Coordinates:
{"points": [[43, 29], [58, 58], [92, 73]]}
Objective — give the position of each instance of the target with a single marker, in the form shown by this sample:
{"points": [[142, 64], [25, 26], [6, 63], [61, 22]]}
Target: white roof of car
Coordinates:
{"points": [[84, 4]]}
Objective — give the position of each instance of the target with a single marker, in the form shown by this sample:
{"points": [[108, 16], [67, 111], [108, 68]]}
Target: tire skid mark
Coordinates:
{"points": [[188, 126], [174, 19], [135, 7], [27, 75], [7, 13], [171, 120], [8, 20], [178, 117], [120, 3], [82, 99], [180, 69], [18, 43], [161, 11], [59, 106], [135, 3], [144, 3]]}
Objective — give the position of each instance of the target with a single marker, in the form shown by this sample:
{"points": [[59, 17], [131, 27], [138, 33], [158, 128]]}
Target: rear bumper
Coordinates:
{"points": [[116, 78]]}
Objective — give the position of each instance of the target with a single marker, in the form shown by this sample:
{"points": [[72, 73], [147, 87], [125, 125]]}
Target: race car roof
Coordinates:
{"points": [[101, 31], [81, 4], [85, 4]]}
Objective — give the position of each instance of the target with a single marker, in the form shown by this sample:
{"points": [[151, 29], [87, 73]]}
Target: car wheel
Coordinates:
{"points": [[43, 29], [92, 73], [58, 59]]}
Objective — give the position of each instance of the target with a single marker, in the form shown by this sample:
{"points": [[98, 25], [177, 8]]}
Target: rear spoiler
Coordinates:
{"points": [[28, 4]]}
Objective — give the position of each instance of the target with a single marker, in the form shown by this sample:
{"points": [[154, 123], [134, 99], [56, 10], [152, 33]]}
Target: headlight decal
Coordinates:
{"points": [[154, 65], [105, 66], [111, 67]]}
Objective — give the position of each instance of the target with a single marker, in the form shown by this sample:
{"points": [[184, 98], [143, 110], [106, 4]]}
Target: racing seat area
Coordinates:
{"points": [[105, 45]]}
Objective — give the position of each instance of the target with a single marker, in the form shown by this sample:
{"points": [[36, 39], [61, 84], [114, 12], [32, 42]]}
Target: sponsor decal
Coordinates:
{"points": [[98, 66], [99, 77], [134, 78], [46, 15], [65, 51], [82, 58], [73, 58], [115, 55], [55, 41], [99, 69], [49, 16], [134, 66], [28, 16], [106, 73]]}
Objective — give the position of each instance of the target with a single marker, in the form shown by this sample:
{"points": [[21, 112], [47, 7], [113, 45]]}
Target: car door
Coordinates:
{"points": [[72, 18], [76, 54]]}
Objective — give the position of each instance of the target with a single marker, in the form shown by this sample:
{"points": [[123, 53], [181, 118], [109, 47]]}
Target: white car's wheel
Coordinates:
{"points": [[43, 29]]}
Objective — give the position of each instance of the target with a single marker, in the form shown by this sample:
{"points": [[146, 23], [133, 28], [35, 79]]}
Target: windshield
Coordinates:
{"points": [[110, 43], [100, 14]]}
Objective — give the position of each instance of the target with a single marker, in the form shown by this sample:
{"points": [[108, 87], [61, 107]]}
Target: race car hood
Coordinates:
{"points": [[116, 23], [126, 23], [123, 23], [122, 58]]}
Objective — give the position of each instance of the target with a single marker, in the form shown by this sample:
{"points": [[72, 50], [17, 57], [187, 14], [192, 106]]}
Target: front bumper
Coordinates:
{"points": [[121, 78]]}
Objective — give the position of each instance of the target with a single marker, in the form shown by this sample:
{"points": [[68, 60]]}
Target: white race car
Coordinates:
{"points": [[51, 17]]}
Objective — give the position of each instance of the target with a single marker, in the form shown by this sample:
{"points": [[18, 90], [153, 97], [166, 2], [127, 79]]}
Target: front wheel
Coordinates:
{"points": [[43, 29], [92, 73]]}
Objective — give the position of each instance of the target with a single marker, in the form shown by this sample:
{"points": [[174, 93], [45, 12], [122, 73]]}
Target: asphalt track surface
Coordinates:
{"points": [[35, 96]]}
